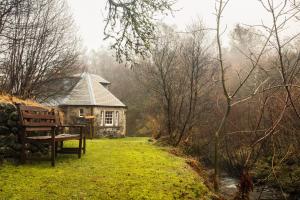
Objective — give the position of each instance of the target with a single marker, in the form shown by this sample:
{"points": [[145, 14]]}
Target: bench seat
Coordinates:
{"points": [[57, 138]]}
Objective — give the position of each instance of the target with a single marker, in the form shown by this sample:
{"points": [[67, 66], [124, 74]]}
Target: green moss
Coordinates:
{"points": [[4, 130], [3, 117], [129, 168], [14, 116]]}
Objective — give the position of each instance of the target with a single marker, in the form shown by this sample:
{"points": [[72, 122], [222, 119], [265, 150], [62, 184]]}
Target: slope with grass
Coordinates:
{"points": [[129, 168]]}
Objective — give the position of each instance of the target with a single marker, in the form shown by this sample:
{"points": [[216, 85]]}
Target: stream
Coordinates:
{"points": [[228, 187]]}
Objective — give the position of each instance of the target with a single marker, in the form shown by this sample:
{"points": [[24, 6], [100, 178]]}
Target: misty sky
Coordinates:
{"points": [[89, 15]]}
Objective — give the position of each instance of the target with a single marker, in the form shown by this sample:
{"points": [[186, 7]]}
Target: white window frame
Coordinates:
{"points": [[112, 118], [117, 115], [101, 118], [81, 114]]}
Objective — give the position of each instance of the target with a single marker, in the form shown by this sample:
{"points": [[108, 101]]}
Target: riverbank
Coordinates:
{"points": [[228, 188]]}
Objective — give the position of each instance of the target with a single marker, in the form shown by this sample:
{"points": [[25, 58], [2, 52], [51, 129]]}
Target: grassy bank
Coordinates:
{"points": [[130, 168]]}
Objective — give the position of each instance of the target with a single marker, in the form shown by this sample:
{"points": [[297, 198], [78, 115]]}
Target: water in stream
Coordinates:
{"points": [[229, 188]]}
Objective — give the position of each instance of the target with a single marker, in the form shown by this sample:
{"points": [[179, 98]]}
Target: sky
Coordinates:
{"points": [[89, 16]]}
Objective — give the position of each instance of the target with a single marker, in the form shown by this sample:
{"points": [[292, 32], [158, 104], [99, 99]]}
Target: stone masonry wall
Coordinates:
{"points": [[71, 115], [10, 146]]}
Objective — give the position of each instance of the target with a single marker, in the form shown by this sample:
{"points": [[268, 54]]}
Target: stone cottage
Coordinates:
{"points": [[90, 100]]}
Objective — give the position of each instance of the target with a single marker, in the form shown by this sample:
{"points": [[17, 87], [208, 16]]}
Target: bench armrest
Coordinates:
{"points": [[39, 126]]}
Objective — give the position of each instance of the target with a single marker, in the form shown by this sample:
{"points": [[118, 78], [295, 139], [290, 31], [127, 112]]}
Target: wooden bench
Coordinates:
{"points": [[47, 122]]}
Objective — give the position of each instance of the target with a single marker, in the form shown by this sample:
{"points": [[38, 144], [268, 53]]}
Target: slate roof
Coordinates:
{"points": [[94, 76], [91, 90]]}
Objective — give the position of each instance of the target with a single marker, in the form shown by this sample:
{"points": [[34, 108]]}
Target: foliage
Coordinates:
{"points": [[129, 168], [131, 25]]}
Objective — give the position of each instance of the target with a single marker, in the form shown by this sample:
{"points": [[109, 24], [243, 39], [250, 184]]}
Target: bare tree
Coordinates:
{"points": [[6, 9], [230, 96], [178, 74], [41, 47]]}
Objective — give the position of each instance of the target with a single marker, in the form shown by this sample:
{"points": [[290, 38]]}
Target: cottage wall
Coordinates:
{"points": [[71, 115], [102, 130]]}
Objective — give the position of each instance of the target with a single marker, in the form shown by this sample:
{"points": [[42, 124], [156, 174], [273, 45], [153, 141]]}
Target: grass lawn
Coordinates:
{"points": [[129, 168]]}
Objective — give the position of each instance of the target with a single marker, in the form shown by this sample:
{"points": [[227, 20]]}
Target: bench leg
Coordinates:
{"points": [[80, 148], [80, 143], [56, 148], [53, 153], [23, 149], [84, 144], [53, 146]]}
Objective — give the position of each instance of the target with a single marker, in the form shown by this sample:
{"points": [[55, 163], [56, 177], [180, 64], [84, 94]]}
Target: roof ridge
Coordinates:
{"points": [[91, 89]]}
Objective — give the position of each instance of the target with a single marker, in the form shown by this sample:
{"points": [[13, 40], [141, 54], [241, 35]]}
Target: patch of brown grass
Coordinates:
{"points": [[177, 152], [11, 99]]}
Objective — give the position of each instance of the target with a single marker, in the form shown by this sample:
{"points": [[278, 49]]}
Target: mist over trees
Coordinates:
{"points": [[125, 86], [235, 108], [178, 75], [248, 93], [39, 45]]}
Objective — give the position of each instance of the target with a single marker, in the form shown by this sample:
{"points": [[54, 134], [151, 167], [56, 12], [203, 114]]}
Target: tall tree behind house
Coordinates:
{"points": [[38, 46]]}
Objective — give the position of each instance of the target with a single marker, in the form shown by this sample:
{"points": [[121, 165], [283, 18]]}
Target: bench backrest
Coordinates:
{"points": [[34, 118]]}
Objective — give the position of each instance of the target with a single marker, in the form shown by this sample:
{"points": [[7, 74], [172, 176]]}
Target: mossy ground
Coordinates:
{"points": [[129, 168]]}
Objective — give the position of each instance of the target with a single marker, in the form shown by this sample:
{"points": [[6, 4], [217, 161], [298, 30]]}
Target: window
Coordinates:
{"points": [[117, 118], [108, 118], [81, 112], [101, 118]]}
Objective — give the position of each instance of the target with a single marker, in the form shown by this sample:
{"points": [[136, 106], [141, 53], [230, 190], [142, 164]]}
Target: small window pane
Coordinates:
{"points": [[109, 118], [81, 112]]}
